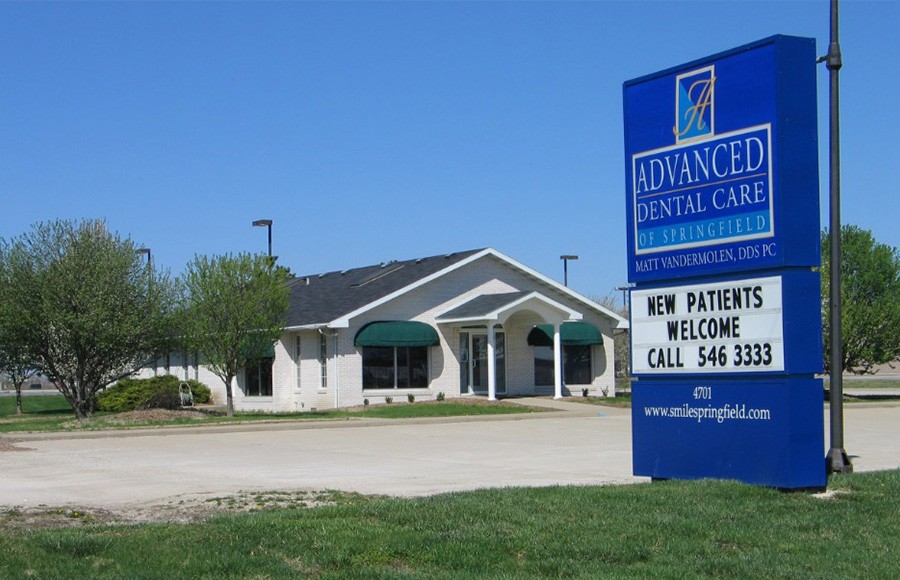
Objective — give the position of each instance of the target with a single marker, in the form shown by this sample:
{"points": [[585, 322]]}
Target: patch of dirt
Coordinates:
{"points": [[151, 415], [7, 444], [186, 509], [140, 417]]}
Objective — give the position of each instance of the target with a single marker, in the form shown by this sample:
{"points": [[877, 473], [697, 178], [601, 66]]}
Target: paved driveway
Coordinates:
{"points": [[587, 445]]}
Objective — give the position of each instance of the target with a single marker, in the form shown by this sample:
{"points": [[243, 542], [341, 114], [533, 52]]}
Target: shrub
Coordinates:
{"points": [[157, 392], [366, 402], [440, 396], [389, 400], [411, 398]]}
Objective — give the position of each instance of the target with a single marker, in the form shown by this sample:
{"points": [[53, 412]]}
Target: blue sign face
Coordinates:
{"points": [[767, 432], [723, 235], [704, 194], [721, 171]]}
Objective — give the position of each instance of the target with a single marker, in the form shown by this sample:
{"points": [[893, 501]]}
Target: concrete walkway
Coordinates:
{"points": [[576, 444]]}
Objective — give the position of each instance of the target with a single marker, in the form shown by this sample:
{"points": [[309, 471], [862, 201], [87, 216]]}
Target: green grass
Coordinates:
{"points": [[873, 383], [620, 400], [661, 530], [53, 413], [444, 409], [34, 404]]}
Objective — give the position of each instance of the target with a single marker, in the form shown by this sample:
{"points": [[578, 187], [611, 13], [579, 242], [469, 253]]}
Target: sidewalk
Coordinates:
{"points": [[555, 409]]}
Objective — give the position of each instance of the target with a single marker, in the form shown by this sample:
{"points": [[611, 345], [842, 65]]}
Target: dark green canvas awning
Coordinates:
{"points": [[269, 352], [396, 333], [571, 333]]}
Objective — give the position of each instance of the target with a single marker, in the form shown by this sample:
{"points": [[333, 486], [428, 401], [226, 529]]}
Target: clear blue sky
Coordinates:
{"points": [[379, 131]]}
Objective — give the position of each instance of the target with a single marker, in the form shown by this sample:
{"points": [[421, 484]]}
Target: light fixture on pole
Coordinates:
{"points": [[624, 291], [565, 258], [143, 251], [268, 224]]}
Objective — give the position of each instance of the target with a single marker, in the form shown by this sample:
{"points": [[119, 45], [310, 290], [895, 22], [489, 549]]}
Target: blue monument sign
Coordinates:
{"points": [[723, 238], [721, 168]]}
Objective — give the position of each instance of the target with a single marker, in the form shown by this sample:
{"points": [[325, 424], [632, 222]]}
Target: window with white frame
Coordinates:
{"points": [[297, 357], [323, 361]]}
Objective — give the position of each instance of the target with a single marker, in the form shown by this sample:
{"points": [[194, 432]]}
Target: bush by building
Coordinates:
{"points": [[155, 393]]}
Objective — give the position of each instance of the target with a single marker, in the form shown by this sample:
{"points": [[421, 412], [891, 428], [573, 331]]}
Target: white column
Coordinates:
{"points": [[557, 362], [491, 363]]}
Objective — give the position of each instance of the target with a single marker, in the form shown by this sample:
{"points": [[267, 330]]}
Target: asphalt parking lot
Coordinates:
{"points": [[580, 444]]}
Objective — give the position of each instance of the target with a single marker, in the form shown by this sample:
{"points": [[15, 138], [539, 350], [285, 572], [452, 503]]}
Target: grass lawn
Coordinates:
{"points": [[663, 530], [873, 383], [34, 404], [620, 400], [53, 413]]}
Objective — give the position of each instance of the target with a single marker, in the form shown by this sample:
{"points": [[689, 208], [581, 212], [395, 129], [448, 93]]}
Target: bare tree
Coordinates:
{"points": [[622, 338]]}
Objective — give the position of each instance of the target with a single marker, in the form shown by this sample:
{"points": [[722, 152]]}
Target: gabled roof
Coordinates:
{"points": [[322, 299], [333, 298], [482, 306], [499, 306]]}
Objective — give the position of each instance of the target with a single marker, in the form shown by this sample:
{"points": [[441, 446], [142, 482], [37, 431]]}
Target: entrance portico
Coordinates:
{"points": [[484, 317]]}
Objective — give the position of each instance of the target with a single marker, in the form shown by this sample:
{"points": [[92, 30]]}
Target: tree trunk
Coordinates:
{"points": [[81, 410], [19, 399], [229, 397]]}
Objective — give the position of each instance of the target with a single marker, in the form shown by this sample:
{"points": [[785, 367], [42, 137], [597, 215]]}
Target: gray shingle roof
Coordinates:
{"points": [[482, 305], [322, 298]]}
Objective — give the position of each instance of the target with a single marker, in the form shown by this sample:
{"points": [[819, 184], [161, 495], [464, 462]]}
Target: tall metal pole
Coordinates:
{"points": [[268, 224], [837, 460], [565, 258]]}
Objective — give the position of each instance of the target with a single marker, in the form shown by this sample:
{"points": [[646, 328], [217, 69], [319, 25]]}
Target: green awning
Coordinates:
{"points": [[571, 333], [396, 333], [269, 352]]}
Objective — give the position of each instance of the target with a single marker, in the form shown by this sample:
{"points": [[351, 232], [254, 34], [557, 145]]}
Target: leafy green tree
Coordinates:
{"points": [[870, 299], [91, 310], [235, 310], [15, 362]]}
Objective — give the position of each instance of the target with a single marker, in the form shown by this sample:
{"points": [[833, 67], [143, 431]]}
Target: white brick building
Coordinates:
{"points": [[468, 323]]}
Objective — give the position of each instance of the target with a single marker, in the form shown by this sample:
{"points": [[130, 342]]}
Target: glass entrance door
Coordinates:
{"points": [[476, 379], [478, 367]]}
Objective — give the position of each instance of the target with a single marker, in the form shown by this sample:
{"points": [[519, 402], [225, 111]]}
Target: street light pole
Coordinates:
{"points": [[837, 460], [268, 224], [624, 290], [143, 251], [565, 258]]}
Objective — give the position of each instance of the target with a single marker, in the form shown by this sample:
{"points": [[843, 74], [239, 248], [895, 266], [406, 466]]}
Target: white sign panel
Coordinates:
{"points": [[708, 328]]}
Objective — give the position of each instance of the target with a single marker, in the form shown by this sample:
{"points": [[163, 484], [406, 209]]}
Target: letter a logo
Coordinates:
{"points": [[694, 104]]}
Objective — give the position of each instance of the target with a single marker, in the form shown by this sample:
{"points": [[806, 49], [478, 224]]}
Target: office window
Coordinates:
{"points": [[576, 365], [395, 367], [297, 356], [323, 361], [258, 375]]}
